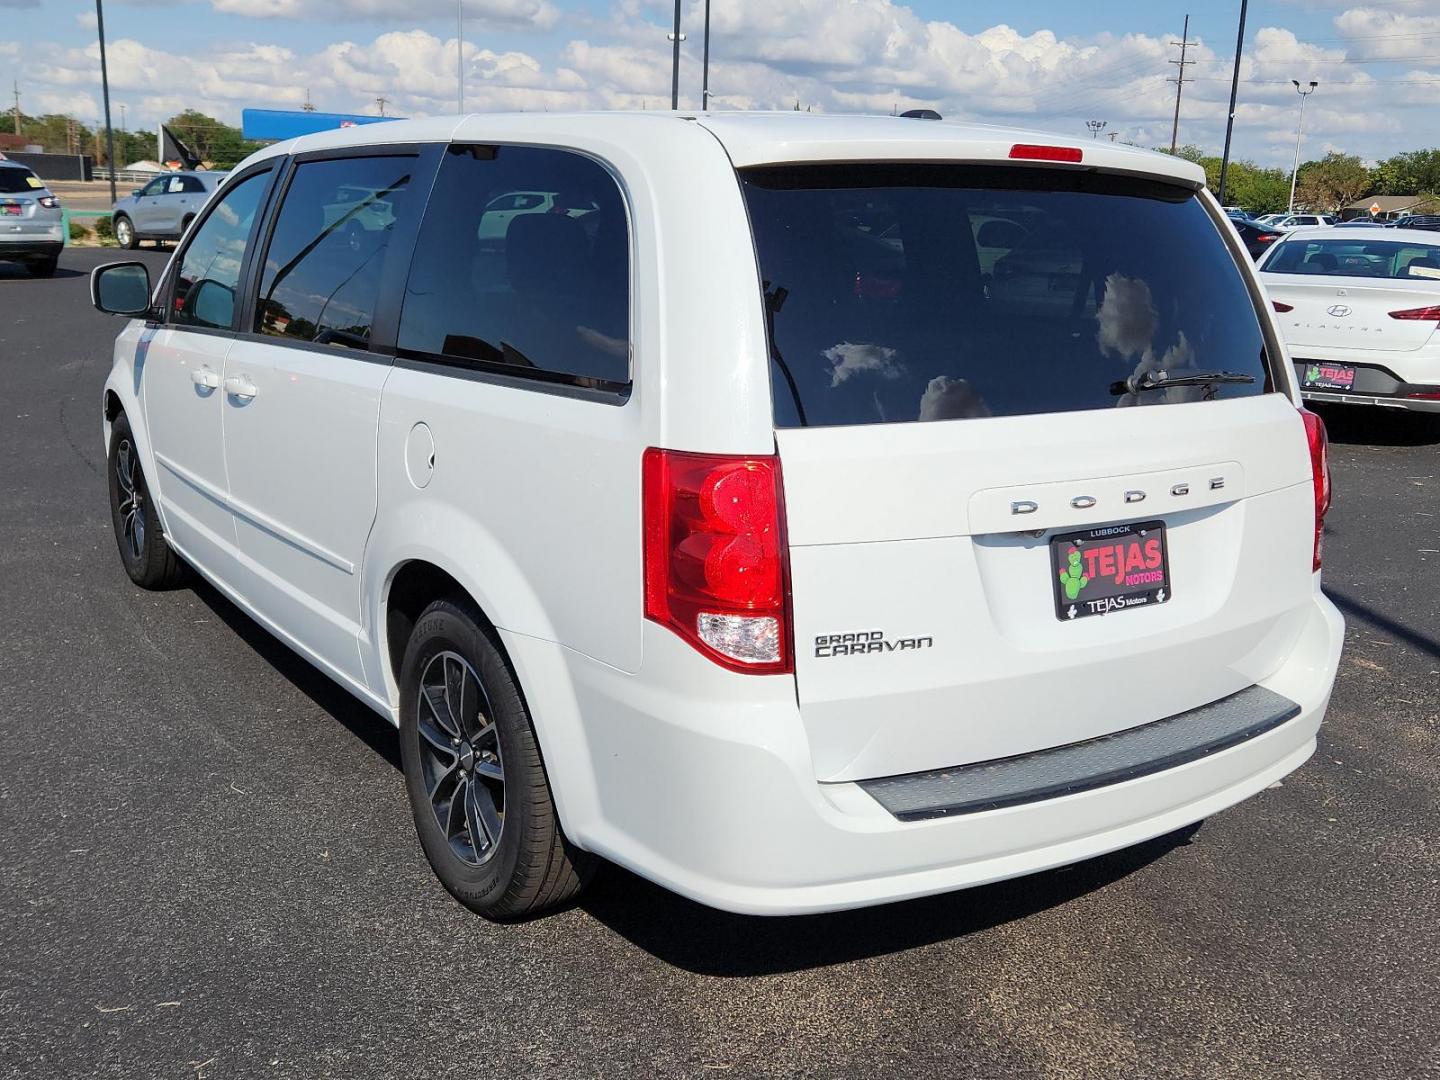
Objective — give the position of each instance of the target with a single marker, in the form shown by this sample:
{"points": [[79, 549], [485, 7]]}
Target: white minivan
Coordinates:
{"points": [[809, 512]]}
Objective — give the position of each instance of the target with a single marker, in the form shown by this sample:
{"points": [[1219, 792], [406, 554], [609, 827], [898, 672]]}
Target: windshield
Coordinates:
{"points": [[15, 181], [1337, 257], [937, 292]]}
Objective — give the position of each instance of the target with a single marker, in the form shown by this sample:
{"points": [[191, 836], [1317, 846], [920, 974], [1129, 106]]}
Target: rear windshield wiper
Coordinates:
{"points": [[1158, 380]]}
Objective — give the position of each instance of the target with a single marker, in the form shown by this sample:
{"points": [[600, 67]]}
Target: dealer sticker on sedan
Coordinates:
{"points": [[1097, 571]]}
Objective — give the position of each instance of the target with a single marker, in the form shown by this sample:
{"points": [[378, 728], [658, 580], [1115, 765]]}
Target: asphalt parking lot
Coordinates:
{"points": [[208, 870]]}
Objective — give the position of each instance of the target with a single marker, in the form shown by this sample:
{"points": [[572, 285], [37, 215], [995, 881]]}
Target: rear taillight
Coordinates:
{"points": [[1320, 472], [715, 559], [1282, 308], [1418, 314], [50, 202], [1269, 237]]}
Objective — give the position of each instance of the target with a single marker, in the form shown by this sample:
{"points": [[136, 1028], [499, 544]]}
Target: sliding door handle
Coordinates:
{"points": [[239, 387]]}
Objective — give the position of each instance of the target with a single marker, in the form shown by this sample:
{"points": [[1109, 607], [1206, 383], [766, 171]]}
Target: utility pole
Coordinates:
{"points": [[105, 87], [1180, 80], [1095, 126], [1234, 92], [381, 102], [1299, 132], [676, 37], [17, 107], [705, 65], [308, 106]]}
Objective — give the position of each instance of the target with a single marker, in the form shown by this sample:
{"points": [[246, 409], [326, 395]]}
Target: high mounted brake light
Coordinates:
{"points": [[1036, 152], [715, 557]]}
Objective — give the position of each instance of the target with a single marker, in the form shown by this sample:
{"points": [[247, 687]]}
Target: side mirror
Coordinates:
{"points": [[134, 192], [210, 303], [121, 288]]}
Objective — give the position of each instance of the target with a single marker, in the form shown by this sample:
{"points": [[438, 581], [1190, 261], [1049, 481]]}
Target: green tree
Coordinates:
{"points": [[217, 143], [1407, 174], [1332, 182]]}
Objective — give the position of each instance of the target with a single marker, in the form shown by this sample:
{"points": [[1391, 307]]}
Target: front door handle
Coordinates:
{"points": [[203, 376], [238, 386]]}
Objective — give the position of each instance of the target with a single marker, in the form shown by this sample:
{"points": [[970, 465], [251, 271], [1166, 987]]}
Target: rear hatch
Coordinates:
{"points": [[20, 195], [997, 543], [1343, 292]]}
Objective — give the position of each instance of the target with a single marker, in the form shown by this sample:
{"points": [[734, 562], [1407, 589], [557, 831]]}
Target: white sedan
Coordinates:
{"points": [[1359, 309]]}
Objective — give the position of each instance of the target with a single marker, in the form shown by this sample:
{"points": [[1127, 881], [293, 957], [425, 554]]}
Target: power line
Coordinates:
{"points": [[1180, 80], [1300, 61]]}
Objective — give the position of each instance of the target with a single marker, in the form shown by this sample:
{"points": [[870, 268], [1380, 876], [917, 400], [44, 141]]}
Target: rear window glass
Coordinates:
{"points": [[13, 181], [924, 292], [1355, 258]]}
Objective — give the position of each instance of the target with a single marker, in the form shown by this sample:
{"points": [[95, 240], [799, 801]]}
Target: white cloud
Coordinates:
{"points": [[848, 359], [493, 13]]}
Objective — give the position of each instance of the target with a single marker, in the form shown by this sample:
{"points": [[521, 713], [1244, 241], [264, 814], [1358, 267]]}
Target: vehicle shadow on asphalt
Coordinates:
{"points": [[9, 271], [1359, 425], [1366, 614], [351, 714], [704, 941]]}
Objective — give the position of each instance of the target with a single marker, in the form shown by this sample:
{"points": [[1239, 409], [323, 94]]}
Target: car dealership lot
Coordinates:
{"points": [[207, 865]]}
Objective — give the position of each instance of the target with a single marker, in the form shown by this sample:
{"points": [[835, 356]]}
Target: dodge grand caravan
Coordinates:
{"points": [[812, 512]]}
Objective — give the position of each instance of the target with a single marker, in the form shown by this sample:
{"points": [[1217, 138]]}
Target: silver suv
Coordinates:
{"points": [[31, 224], [164, 207]]}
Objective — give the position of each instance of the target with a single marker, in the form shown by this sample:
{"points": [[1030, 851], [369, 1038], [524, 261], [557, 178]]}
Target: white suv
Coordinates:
{"points": [[837, 510]]}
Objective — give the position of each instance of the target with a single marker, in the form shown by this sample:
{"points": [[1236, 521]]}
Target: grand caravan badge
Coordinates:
{"points": [[864, 642]]}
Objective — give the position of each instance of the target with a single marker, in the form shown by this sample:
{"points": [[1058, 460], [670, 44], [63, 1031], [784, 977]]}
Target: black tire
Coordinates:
{"points": [[149, 561], [124, 230], [531, 867]]}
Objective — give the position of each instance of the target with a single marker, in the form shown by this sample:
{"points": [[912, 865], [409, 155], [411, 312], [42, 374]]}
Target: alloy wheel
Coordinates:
{"points": [[132, 498], [460, 757]]}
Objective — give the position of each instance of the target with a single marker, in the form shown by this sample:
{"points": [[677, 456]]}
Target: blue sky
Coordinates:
{"points": [[1047, 65]]}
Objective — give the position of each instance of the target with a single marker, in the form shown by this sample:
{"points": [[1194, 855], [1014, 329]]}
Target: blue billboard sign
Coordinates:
{"points": [[272, 125]]}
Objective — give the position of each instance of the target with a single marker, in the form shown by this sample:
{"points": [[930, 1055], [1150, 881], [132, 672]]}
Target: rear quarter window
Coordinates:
{"points": [[522, 268], [923, 292]]}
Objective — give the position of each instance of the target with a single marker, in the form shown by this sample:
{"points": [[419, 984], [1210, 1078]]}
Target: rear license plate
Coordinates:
{"points": [[1329, 377], [1112, 568], [12, 209]]}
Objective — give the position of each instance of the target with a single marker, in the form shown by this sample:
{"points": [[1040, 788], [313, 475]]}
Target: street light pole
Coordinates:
{"points": [[1234, 92], [675, 37], [105, 91], [1299, 132], [460, 50], [705, 64]]}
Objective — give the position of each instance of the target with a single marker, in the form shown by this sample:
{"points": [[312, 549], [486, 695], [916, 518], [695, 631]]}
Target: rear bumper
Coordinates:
{"points": [[708, 789], [1389, 380], [30, 247]]}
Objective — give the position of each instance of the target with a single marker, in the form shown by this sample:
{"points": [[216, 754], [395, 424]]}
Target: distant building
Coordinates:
{"points": [[19, 144], [1383, 207]]}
